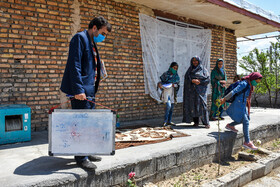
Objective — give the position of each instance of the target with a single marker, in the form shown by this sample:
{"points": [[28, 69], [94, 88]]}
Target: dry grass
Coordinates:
{"points": [[206, 173]]}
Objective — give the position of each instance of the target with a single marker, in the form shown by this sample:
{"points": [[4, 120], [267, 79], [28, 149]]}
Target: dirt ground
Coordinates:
{"points": [[206, 173]]}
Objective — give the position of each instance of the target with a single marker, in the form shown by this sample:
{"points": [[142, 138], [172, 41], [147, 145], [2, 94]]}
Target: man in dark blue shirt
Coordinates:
{"points": [[82, 73]]}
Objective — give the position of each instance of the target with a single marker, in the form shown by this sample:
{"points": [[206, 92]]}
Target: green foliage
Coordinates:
{"points": [[253, 152], [268, 64], [131, 180], [276, 143], [178, 184], [131, 183], [218, 104], [182, 181], [198, 177]]}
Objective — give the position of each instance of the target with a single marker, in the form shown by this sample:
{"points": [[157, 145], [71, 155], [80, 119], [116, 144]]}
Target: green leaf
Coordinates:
{"points": [[268, 64]]}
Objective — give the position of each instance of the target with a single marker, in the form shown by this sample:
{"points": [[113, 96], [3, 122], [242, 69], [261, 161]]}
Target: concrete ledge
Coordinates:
{"points": [[230, 180], [268, 162], [276, 159], [246, 174], [214, 183], [28, 164], [257, 170]]}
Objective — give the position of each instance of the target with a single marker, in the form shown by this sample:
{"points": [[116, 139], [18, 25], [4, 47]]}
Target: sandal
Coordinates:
{"points": [[213, 119], [207, 126]]}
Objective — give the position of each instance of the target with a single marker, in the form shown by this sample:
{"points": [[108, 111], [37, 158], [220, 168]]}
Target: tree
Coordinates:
{"points": [[258, 61], [274, 65], [259, 90]]}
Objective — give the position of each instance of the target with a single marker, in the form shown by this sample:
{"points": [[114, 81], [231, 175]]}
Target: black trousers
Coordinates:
{"points": [[196, 120], [78, 104]]}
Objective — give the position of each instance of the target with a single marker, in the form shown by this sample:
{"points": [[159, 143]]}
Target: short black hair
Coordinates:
{"points": [[100, 22], [173, 64]]}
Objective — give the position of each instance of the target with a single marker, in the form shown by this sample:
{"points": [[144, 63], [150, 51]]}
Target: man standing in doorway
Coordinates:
{"points": [[82, 73]]}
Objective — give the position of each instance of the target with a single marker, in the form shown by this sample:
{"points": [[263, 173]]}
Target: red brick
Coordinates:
{"points": [[7, 5], [41, 42]]}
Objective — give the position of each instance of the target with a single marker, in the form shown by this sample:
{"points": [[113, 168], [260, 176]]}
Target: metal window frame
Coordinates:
{"points": [[179, 23]]}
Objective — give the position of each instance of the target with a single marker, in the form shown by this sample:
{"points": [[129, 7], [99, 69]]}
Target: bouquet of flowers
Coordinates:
{"points": [[131, 180]]}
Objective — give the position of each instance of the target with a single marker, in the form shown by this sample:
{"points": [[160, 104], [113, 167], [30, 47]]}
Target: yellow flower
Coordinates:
{"points": [[218, 103]]}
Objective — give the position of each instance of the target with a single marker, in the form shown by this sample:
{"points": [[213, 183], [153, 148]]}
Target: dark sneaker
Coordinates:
{"points": [[86, 164], [195, 124], [171, 123], [94, 158], [165, 124]]}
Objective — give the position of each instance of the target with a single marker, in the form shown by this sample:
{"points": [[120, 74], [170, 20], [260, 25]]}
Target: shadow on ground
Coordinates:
{"points": [[227, 140], [45, 165], [37, 138], [188, 126]]}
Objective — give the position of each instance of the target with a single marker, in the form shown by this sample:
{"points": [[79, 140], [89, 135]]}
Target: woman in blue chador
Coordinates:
{"points": [[237, 110], [195, 97]]}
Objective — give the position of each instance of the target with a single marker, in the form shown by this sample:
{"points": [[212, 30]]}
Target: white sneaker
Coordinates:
{"points": [[250, 145]]}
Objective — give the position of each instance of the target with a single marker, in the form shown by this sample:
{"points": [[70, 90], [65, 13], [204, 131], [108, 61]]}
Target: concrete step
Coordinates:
{"points": [[28, 164]]}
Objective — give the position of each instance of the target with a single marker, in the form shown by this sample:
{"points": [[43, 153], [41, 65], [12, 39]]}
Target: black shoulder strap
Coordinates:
{"points": [[98, 68]]}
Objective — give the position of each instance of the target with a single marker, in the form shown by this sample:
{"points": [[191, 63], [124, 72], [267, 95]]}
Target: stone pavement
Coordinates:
{"points": [[28, 164]]}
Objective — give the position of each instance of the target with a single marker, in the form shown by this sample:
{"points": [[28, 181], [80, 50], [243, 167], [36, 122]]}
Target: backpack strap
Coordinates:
{"points": [[244, 91]]}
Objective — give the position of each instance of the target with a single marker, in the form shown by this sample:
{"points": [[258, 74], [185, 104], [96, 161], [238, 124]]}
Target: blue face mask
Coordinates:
{"points": [[99, 38], [254, 83]]}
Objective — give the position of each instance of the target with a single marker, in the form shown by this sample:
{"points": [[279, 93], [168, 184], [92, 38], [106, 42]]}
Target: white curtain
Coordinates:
{"points": [[163, 43]]}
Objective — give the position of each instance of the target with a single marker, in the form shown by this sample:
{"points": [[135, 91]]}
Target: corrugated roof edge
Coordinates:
{"points": [[239, 8]]}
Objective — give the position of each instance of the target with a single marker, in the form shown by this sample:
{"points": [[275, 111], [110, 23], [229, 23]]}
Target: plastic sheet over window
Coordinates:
{"points": [[163, 43]]}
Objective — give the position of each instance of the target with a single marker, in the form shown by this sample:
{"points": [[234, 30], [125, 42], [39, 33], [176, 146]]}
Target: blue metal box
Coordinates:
{"points": [[15, 123]]}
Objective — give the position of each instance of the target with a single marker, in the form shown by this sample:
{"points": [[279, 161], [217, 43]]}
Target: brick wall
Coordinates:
{"points": [[221, 37], [34, 38]]}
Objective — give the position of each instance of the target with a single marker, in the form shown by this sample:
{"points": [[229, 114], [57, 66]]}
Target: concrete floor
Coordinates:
{"points": [[28, 164]]}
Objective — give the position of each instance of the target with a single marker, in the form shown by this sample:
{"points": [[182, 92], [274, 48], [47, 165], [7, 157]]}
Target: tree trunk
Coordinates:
{"points": [[269, 93], [277, 89], [270, 98], [275, 100], [257, 103], [255, 99]]}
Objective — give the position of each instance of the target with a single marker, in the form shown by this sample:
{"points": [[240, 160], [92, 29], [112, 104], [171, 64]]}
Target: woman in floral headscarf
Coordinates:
{"points": [[237, 110], [195, 97], [218, 82]]}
